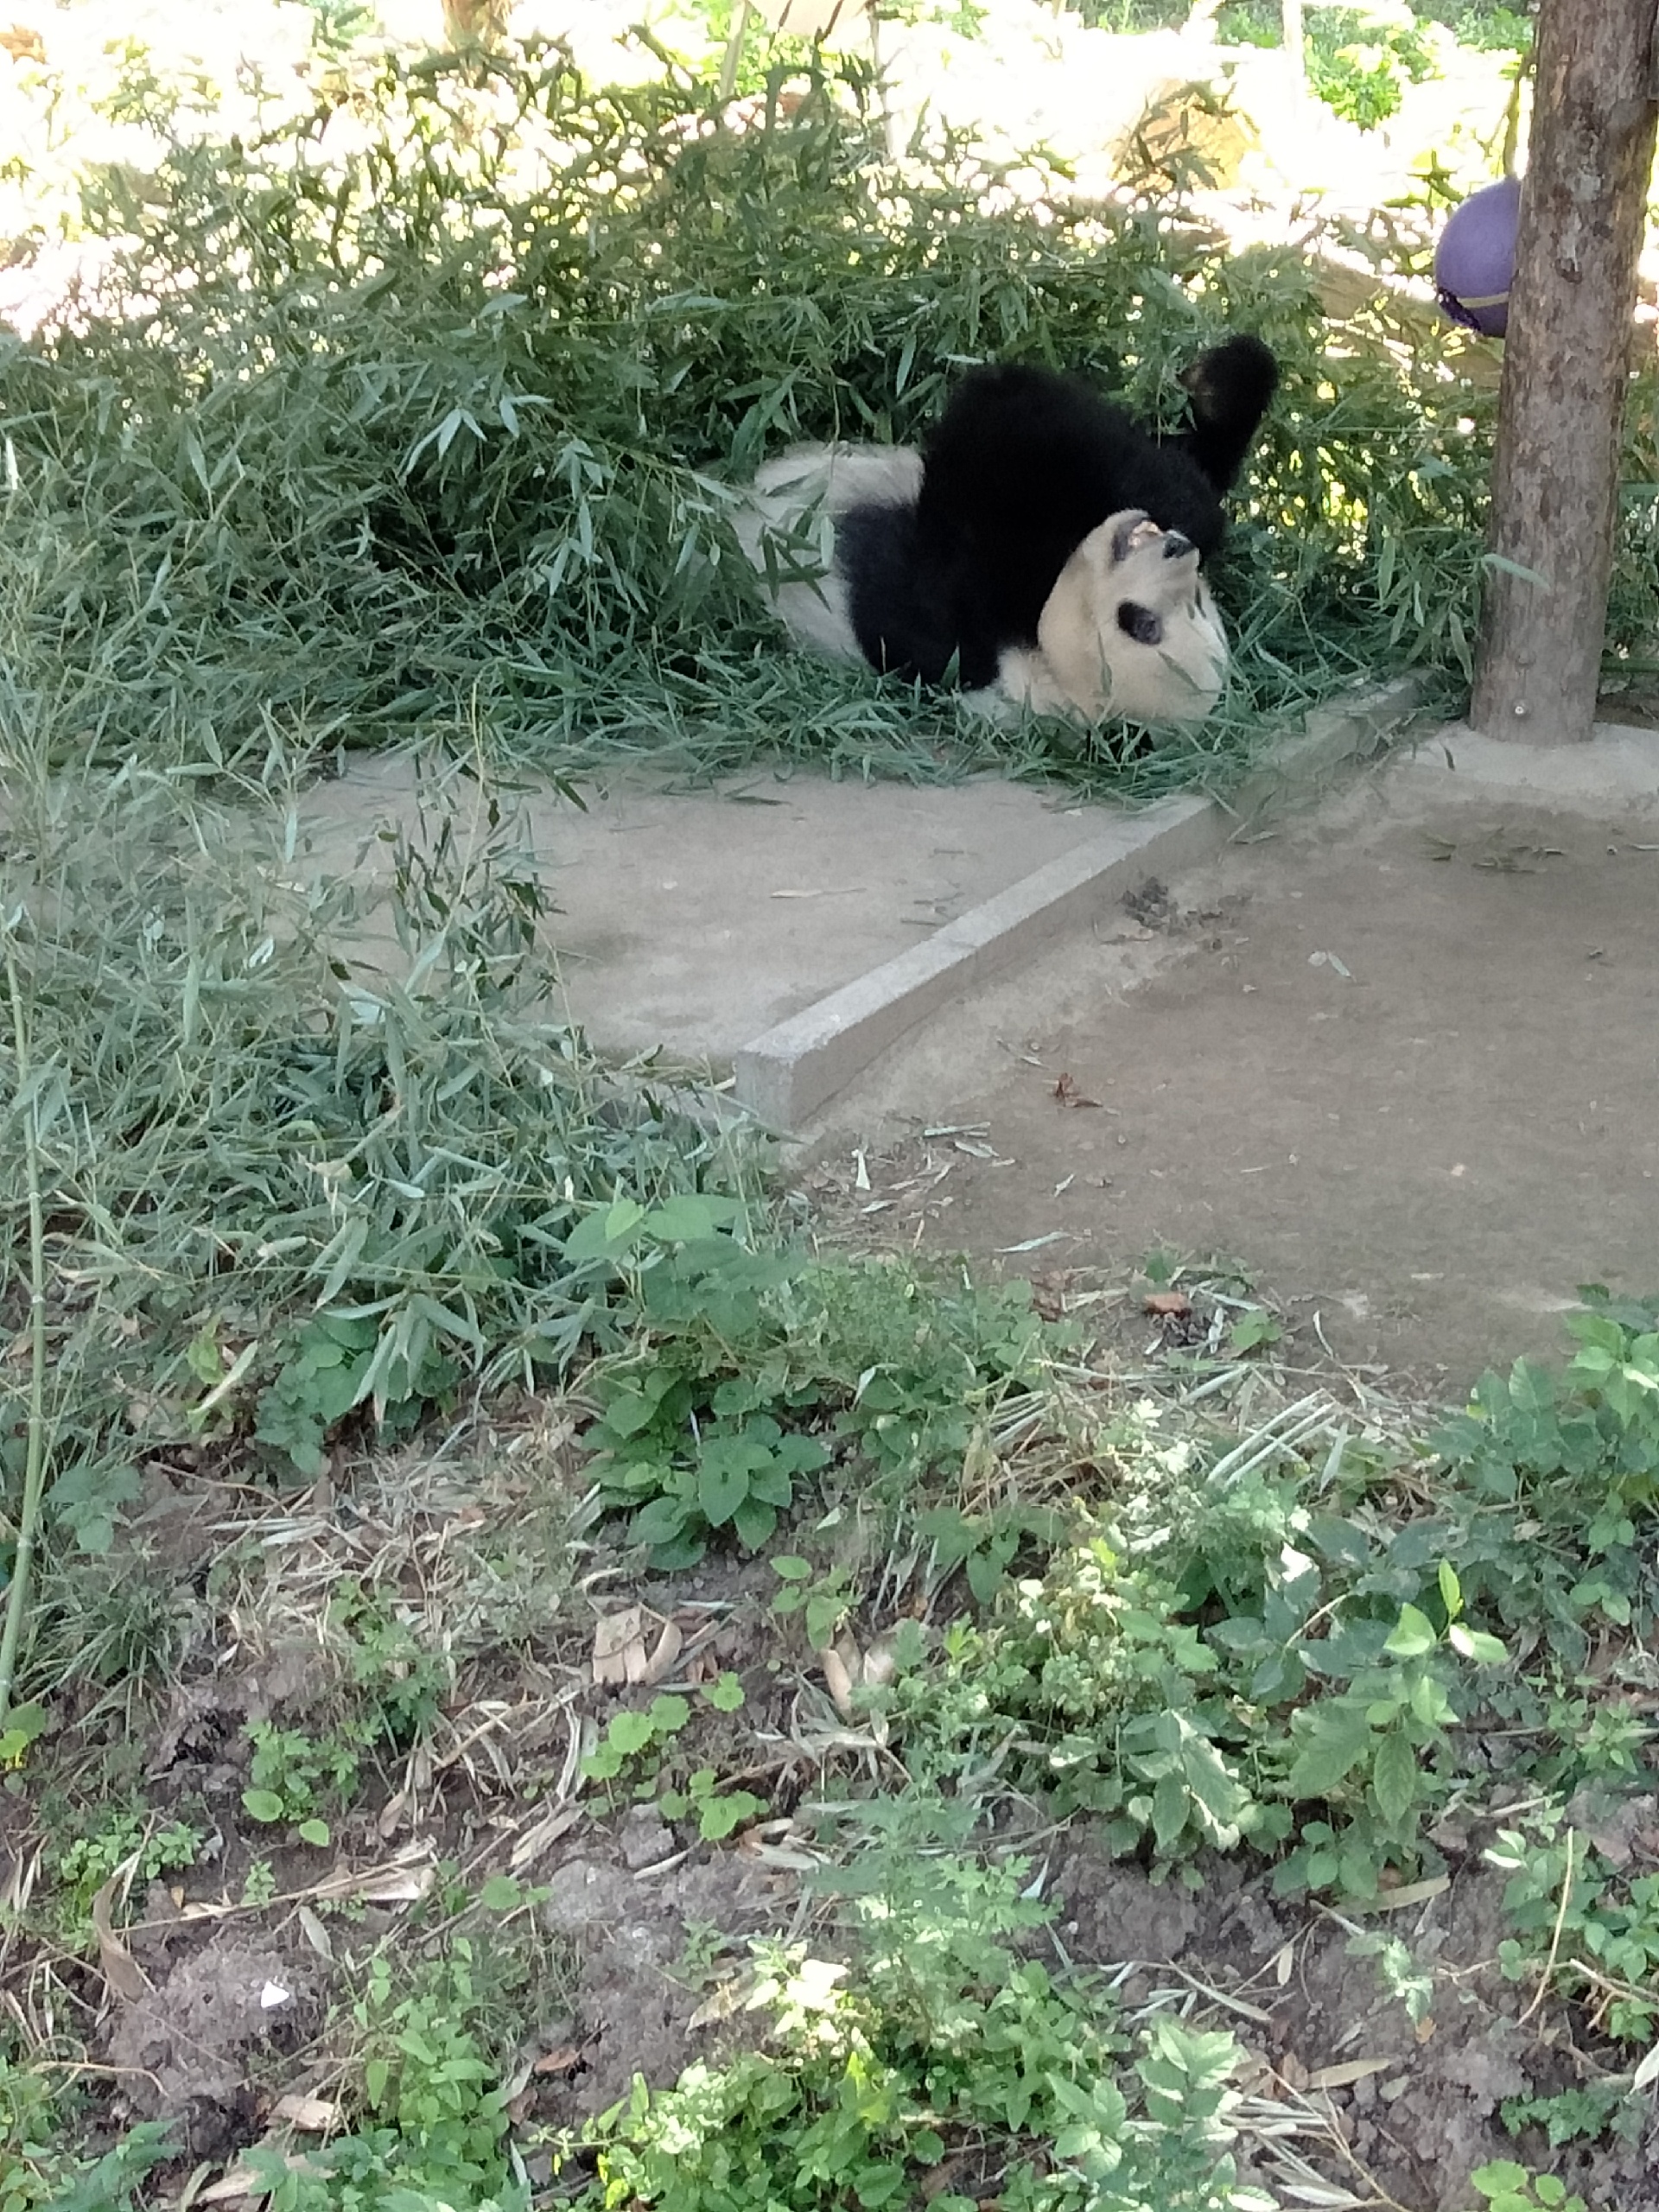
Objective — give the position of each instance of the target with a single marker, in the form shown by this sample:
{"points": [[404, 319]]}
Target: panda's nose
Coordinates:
{"points": [[1175, 546]]}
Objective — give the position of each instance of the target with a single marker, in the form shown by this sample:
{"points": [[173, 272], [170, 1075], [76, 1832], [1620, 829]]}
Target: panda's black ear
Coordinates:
{"points": [[1140, 623], [1232, 386]]}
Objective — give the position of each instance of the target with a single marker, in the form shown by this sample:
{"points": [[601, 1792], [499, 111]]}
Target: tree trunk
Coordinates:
{"points": [[1556, 479], [1295, 48]]}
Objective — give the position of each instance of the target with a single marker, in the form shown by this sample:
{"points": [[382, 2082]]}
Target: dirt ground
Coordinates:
{"points": [[1336, 2072], [1399, 1060], [1347, 2100]]}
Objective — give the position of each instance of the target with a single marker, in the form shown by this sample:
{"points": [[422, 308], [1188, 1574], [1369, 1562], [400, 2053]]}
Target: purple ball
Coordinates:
{"points": [[1474, 263]]}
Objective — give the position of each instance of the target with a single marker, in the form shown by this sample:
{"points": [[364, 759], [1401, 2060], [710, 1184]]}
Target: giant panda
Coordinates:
{"points": [[1042, 543]]}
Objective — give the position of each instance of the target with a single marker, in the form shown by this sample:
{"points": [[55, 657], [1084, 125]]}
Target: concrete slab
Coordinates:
{"points": [[792, 928], [786, 1076], [796, 1066], [700, 920], [1400, 1058], [1619, 767]]}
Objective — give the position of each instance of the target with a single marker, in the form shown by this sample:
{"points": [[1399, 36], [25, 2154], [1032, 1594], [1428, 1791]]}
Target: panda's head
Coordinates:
{"points": [[1130, 628]]}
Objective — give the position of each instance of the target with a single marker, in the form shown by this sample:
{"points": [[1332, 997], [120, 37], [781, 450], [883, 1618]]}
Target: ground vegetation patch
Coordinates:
{"points": [[821, 1713], [531, 1673]]}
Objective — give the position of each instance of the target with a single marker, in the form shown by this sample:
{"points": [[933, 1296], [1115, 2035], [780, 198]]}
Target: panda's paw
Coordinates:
{"points": [[1025, 684], [992, 704]]}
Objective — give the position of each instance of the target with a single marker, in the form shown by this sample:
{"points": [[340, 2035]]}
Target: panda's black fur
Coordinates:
{"points": [[1024, 463]]}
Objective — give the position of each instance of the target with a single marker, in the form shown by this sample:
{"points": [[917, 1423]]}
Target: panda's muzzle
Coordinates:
{"points": [[1134, 529]]}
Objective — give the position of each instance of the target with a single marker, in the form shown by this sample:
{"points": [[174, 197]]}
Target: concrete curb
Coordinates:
{"points": [[786, 1074]]}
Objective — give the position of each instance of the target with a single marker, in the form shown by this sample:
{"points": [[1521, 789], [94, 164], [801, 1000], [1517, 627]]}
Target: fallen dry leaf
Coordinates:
{"points": [[545, 1834], [315, 1933], [564, 2060], [1343, 2077], [1065, 1089], [619, 1648], [1172, 1304], [839, 1681], [239, 2182], [1253, 2076], [1410, 1893], [724, 2000], [120, 1969], [404, 1881], [312, 2115], [669, 1646], [779, 1854]]}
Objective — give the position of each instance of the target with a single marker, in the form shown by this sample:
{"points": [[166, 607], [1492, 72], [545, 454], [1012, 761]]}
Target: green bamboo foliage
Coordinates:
{"points": [[424, 412]]}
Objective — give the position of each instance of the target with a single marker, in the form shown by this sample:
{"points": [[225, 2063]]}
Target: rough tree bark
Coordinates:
{"points": [[1555, 481]]}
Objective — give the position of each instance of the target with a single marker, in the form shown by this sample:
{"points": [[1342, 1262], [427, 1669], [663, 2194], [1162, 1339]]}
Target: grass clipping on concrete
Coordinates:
{"points": [[420, 414]]}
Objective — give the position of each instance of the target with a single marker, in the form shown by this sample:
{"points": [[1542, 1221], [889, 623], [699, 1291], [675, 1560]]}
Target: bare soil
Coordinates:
{"points": [[1336, 2069], [1400, 1063], [1422, 2110]]}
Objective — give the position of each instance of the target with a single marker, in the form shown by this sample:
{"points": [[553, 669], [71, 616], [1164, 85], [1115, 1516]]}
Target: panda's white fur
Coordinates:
{"points": [[786, 525], [1041, 550], [1085, 665]]}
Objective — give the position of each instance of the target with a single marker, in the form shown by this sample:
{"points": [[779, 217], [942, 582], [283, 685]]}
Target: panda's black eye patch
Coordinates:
{"points": [[1140, 623]]}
